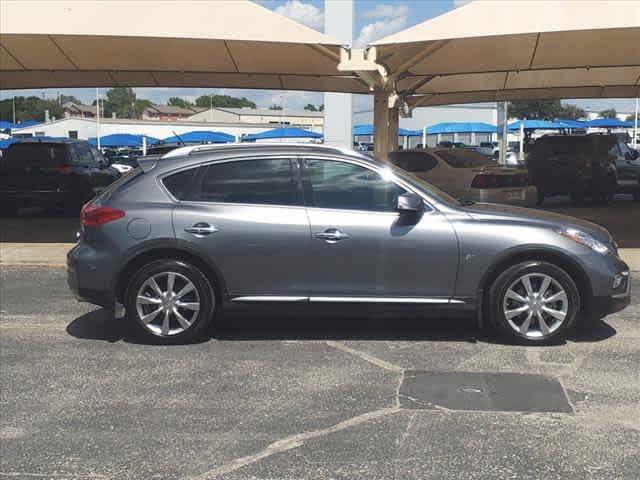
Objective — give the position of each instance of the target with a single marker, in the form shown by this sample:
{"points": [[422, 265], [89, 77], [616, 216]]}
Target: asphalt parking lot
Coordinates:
{"points": [[270, 396]]}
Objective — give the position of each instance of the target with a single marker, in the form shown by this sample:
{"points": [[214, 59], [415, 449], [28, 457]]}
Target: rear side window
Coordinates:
{"points": [[263, 182], [19, 155], [181, 184], [413, 161]]}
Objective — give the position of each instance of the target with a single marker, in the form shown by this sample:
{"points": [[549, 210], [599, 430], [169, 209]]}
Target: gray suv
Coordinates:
{"points": [[180, 237]]}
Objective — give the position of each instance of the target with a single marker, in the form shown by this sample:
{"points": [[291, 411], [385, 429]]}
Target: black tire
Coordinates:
{"points": [[204, 294], [507, 278]]}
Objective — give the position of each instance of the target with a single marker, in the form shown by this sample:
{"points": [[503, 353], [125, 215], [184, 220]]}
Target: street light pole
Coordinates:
{"points": [[635, 125], [14, 110], [98, 117]]}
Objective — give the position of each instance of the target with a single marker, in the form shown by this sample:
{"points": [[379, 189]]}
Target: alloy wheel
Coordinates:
{"points": [[535, 305], [167, 304]]}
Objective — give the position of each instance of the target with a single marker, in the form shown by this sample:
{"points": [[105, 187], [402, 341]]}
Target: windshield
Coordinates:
{"points": [[465, 159], [424, 186]]}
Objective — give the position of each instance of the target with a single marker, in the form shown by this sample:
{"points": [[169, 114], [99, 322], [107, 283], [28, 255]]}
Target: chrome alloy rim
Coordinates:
{"points": [[167, 304], [535, 305]]}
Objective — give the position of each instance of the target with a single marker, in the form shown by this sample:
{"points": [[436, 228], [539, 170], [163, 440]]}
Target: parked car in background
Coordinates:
{"points": [[487, 148], [52, 173], [468, 175], [177, 241], [627, 163], [576, 165]]}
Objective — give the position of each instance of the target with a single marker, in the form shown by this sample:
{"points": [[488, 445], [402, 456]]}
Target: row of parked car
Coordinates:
{"points": [[592, 166], [68, 173]]}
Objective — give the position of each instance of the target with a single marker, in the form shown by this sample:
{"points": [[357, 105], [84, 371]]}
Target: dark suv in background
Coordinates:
{"points": [[595, 166], [52, 173]]}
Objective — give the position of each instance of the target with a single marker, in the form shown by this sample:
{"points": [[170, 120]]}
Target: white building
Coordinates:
{"points": [[83, 128], [306, 118]]}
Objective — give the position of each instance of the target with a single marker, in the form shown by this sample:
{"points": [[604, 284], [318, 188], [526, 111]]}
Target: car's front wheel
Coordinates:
{"points": [[534, 302], [171, 301]]}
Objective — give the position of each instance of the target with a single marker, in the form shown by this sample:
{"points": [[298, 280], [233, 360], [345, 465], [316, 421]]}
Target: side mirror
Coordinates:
{"points": [[409, 203]]}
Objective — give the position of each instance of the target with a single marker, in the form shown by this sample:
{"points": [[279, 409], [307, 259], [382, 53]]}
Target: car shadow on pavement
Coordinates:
{"points": [[253, 325]]}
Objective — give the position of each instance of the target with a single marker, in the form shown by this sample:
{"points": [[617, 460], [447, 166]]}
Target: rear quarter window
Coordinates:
{"points": [[181, 184]]}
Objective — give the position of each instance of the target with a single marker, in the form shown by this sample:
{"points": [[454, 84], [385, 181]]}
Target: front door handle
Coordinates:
{"points": [[332, 235], [201, 229]]}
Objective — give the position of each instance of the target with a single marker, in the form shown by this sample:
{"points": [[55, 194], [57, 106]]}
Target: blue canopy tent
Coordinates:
{"points": [[6, 142], [5, 125], [26, 124], [291, 132], [460, 127], [122, 140], [201, 136], [536, 125], [573, 124], [607, 123]]}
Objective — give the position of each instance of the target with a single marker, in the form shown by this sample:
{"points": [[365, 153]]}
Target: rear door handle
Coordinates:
{"points": [[332, 235], [201, 229]]}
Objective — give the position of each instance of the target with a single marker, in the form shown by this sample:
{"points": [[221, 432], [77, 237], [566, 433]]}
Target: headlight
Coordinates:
{"points": [[585, 239]]}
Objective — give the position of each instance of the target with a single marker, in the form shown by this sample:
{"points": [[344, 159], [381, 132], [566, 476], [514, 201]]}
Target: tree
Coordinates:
{"points": [[275, 107], [630, 118], [321, 108], [29, 108], [179, 102], [608, 113], [311, 108], [535, 109], [224, 101], [122, 101], [69, 98], [572, 112]]}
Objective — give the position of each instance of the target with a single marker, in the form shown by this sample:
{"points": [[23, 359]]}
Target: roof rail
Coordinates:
{"points": [[189, 150]]}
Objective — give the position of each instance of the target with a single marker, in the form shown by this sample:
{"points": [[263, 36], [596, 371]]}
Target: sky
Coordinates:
{"points": [[374, 19]]}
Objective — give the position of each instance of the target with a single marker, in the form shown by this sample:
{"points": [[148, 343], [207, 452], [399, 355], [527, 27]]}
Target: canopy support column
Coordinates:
{"points": [[385, 125]]}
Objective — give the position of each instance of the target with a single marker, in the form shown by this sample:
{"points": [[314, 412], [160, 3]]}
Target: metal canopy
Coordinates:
{"points": [[486, 51], [226, 43]]}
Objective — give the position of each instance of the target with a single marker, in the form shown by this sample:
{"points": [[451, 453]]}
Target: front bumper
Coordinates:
{"points": [[619, 300]]}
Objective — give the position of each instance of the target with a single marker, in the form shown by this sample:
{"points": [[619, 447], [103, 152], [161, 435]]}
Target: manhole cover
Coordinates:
{"points": [[498, 392]]}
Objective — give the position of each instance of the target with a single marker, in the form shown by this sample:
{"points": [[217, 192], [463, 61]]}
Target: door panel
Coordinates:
{"points": [[259, 249], [385, 255], [247, 215], [379, 252]]}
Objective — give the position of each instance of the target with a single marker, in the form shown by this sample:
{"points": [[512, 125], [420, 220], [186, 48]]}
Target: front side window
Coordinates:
{"points": [[345, 186], [263, 182]]}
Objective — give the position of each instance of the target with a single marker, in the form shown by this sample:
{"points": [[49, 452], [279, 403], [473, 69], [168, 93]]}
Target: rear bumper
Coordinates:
{"points": [[525, 196], [85, 281]]}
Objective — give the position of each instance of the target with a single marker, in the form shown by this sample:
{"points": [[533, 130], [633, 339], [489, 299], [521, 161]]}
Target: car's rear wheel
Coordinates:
{"points": [[170, 301], [534, 302]]}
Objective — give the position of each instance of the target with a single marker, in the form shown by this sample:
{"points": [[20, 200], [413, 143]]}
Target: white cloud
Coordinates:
{"points": [[388, 19], [305, 13], [384, 11]]}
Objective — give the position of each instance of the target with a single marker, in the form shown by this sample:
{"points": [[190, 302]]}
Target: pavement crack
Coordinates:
{"points": [[293, 441], [366, 357]]}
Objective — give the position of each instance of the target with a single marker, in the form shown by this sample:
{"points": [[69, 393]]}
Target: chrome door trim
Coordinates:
{"points": [[382, 300], [288, 299], [269, 298]]}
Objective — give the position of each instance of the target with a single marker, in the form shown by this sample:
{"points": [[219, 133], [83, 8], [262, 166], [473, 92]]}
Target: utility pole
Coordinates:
{"points": [[14, 110], [98, 117], [635, 126]]}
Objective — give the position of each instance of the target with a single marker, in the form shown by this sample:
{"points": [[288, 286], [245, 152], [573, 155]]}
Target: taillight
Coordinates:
{"points": [[485, 181], [92, 215], [65, 169], [500, 181]]}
